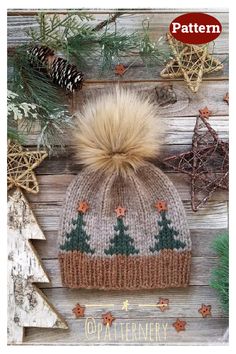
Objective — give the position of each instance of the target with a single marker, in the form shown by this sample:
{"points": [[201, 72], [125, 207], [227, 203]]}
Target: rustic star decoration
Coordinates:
{"points": [[189, 62], [20, 165], [205, 310], [163, 304], [120, 69], [82, 207], [120, 212], [207, 163], [226, 97], [179, 325], [78, 310], [107, 319], [204, 113]]}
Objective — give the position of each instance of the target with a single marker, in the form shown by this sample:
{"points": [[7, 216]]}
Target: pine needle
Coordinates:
{"points": [[220, 275], [34, 87]]}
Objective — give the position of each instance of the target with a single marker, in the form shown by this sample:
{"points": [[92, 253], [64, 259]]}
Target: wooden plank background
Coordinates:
{"points": [[140, 324]]}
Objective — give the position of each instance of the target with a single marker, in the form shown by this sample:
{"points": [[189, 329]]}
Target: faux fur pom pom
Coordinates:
{"points": [[117, 132]]}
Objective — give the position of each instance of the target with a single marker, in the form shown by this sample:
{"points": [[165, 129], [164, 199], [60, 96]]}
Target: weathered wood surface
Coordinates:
{"points": [[55, 174], [159, 24], [183, 303], [210, 331], [27, 306]]}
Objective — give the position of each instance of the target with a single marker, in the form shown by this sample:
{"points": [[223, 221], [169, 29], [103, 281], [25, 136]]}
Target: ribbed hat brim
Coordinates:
{"points": [[169, 268]]}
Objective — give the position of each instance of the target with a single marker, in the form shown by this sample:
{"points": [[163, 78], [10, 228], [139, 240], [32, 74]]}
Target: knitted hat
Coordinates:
{"points": [[123, 225]]}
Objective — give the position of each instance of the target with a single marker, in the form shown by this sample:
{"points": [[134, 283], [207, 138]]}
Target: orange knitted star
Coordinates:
{"points": [[120, 211], [205, 113], [163, 304], [179, 325], [161, 205], [82, 207], [205, 310], [108, 319], [78, 311]]}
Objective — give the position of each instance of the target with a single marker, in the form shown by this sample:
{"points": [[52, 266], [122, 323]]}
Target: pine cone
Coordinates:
{"points": [[39, 55], [66, 75]]}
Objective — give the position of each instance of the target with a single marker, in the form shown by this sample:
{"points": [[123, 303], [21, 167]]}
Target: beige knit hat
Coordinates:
{"points": [[123, 225]]}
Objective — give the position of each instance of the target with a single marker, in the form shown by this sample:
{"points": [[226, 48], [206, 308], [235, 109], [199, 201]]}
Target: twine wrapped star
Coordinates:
{"points": [[207, 163], [20, 166], [190, 62]]}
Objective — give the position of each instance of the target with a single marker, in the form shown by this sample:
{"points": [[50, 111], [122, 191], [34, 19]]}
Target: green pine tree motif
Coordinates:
{"points": [[122, 243], [166, 237], [77, 239]]}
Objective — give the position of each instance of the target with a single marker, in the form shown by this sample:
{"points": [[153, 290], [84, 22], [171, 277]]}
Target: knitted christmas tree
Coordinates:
{"points": [[77, 238], [122, 243], [166, 237]]}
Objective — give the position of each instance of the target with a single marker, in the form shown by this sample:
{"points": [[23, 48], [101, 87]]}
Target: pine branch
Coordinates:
{"points": [[220, 275], [35, 88]]}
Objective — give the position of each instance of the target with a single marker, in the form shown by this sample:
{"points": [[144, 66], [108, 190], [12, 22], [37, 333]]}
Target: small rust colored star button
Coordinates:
{"points": [[120, 211], [163, 304], [205, 113], [205, 310], [82, 207], [179, 325], [107, 319], [120, 69], [226, 97], [78, 311]]}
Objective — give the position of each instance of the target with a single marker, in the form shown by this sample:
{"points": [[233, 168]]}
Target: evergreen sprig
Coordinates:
{"points": [[81, 41], [34, 87], [220, 275], [76, 38], [54, 30]]}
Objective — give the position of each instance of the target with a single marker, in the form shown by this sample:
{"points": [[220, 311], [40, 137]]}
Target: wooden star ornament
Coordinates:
{"points": [[163, 304], [205, 310], [179, 325], [107, 319], [204, 112], [78, 310], [20, 165], [189, 62], [120, 69]]}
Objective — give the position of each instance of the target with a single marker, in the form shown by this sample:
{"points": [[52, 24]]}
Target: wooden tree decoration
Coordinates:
{"points": [[27, 305], [189, 62]]}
